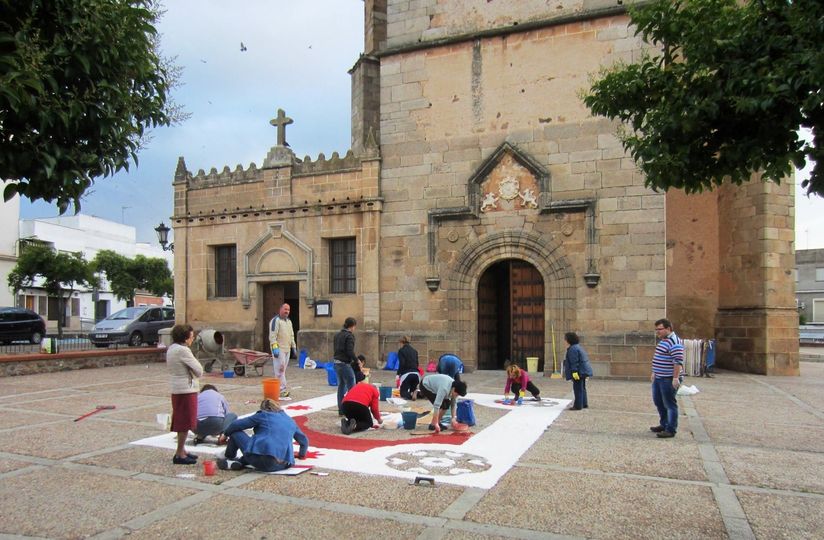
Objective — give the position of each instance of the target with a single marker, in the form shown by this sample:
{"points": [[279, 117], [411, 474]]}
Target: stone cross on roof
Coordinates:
{"points": [[281, 122]]}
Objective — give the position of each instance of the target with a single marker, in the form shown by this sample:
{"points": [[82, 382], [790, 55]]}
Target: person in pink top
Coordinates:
{"points": [[517, 379]]}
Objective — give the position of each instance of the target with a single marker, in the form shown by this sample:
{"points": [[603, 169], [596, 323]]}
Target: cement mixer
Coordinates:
{"points": [[208, 348]]}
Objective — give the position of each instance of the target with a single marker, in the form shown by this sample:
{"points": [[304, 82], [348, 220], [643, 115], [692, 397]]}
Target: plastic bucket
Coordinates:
{"points": [[271, 389], [228, 374], [386, 392], [532, 364], [331, 376], [302, 358], [410, 419]]}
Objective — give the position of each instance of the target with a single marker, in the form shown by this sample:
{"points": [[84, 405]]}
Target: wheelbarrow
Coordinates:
{"points": [[247, 360]]}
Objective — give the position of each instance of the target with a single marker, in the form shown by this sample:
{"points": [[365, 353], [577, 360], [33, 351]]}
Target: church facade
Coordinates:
{"points": [[484, 212]]}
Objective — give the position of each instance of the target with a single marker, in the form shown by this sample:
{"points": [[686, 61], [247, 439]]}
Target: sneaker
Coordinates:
{"points": [[198, 440], [536, 398], [431, 427], [236, 466], [222, 464], [284, 393], [665, 434], [347, 425], [184, 460], [657, 429]]}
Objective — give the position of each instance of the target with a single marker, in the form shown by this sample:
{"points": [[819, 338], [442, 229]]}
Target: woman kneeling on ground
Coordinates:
{"points": [[270, 448], [358, 407]]}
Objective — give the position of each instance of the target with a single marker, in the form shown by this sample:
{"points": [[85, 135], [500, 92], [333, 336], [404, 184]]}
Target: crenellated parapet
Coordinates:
{"points": [[225, 177], [322, 165]]}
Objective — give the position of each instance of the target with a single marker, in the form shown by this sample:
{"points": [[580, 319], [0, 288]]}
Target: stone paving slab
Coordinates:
{"points": [[598, 506], [610, 422], [143, 459], [7, 465], [379, 492], [758, 432], [249, 518], [78, 404], [779, 469], [57, 441], [85, 503], [12, 418], [625, 484], [783, 516], [641, 455], [776, 409]]}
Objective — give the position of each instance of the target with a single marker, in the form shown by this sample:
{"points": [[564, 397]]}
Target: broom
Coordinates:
{"points": [[555, 373]]}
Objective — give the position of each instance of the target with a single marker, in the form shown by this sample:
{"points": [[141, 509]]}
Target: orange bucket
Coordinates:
{"points": [[271, 389]]}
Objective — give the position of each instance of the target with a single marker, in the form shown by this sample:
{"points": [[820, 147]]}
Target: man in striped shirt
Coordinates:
{"points": [[667, 365]]}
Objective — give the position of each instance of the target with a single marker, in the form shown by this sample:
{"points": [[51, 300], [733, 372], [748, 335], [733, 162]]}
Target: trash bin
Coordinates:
{"points": [[164, 336], [532, 364]]}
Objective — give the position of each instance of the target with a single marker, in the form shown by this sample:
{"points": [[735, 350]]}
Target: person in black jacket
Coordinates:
{"points": [[344, 358], [408, 369]]}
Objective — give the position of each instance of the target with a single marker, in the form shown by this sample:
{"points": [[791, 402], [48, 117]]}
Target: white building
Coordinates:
{"points": [[87, 235], [9, 216]]}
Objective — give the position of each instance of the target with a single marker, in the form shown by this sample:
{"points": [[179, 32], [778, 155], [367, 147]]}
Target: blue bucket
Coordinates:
{"points": [[302, 358], [386, 392], [331, 376]]}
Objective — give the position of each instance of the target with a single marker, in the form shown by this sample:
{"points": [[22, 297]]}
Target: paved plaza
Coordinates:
{"points": [[748, 462]]}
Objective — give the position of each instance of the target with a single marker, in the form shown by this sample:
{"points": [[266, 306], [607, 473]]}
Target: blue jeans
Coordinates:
{"points": [[241, 440], [579, 390], [214, 425], [663, 395], [346, 380]]}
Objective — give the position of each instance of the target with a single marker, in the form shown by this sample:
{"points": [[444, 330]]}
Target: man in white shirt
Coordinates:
{"points": [[282, 343]]}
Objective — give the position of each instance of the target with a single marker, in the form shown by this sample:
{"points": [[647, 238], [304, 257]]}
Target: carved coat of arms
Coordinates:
{"points": [[509, 188]]}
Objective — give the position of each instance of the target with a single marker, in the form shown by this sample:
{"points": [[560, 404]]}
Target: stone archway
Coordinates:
{"points": [[548, 258]]}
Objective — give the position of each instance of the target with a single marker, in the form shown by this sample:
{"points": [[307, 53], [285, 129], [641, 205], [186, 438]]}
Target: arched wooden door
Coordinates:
{"points": [[510, 314]]}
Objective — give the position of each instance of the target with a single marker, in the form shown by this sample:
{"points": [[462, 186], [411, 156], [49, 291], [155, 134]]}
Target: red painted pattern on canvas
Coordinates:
{"points": [[318, 439]]}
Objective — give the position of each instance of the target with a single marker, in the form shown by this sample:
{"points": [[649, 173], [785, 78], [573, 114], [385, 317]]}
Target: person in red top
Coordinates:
{"points": [[517, 379], [358, 407]]}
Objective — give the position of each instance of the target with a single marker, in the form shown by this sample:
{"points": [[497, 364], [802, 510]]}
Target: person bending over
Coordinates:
{"points": [[359, 405], [441, 391], [213, 414], [517, 380], [410, 378]]}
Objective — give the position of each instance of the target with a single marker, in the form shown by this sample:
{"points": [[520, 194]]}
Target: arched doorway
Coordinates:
{"points": [[510, 314]]}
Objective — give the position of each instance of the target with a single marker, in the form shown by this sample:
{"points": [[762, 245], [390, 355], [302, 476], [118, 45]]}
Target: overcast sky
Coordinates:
{"points": [[297, 57]]}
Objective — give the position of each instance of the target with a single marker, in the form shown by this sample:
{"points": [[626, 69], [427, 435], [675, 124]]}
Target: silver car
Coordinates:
{"points": [[132, 326]]}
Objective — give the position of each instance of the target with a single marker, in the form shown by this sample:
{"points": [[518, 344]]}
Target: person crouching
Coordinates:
{"points": [[358, 407]]}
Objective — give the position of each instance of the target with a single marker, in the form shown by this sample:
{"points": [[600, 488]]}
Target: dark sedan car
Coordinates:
{"points": [[18, 324]]}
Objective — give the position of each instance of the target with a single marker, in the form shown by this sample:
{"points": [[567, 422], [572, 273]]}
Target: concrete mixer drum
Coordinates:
{"points": [[208, 348]]}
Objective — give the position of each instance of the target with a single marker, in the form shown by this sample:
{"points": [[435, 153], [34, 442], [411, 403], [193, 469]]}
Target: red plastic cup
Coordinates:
{"points": [[209, 468]]}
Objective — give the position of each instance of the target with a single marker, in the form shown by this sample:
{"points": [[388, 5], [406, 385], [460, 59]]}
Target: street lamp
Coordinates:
{"points": [[163, 237]]}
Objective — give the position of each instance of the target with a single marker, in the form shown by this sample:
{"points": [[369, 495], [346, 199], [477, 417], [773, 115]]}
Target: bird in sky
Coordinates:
{"points": [[242, 47]]}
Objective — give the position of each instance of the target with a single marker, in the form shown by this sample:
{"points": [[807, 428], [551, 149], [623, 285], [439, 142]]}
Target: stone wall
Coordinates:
{"points": [[692, 263], [757, 321], [420, 21], [444, 111], [29, 364]]}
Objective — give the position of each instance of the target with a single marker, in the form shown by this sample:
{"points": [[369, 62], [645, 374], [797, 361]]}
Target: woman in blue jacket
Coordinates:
{"points": [[270, 448], [577, 369]]}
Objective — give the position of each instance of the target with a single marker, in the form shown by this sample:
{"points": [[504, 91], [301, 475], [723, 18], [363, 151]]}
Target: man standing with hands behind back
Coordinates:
{"points": [[282, 343], [667, 365]]}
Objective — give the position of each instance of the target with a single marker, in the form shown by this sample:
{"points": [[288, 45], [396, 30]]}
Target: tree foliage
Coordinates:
{"points": [[128, 275], [60, 272], [80, 83], [727, 94]]}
